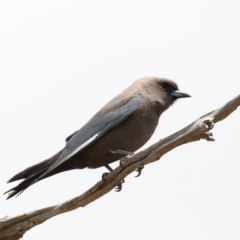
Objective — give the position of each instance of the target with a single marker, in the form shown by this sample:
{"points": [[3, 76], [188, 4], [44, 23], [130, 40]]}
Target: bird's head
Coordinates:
{"points": [[162, 91]]}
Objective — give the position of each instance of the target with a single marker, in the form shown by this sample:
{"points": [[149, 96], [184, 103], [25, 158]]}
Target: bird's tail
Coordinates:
{"points": [[31, 175]]}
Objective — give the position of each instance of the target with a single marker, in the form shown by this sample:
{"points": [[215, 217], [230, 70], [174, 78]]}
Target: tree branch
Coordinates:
{"points": [[12, 228]]}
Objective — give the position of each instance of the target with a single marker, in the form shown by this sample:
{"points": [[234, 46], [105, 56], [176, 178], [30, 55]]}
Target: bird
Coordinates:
{"points": [[119, 128]]}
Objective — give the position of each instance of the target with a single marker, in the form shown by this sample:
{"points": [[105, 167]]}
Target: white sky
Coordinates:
{"points": [[60, 61]]}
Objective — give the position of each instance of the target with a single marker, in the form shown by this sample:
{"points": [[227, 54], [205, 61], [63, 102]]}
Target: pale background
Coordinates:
{"points": [[60, 61]]}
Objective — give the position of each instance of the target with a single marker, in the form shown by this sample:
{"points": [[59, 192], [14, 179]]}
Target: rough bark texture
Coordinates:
{"points": [[12, 228]]}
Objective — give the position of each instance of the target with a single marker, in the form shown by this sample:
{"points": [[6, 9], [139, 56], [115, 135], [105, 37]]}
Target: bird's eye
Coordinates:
{"points": [[164, 85]]}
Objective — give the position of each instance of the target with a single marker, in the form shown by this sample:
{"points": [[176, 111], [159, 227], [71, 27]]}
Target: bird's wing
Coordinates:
{"points": [[93, 130]]}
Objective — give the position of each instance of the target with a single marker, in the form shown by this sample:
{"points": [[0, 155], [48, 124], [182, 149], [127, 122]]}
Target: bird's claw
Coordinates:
{"points": [[119, 186], [104, 176], [122, 160], [139, 170]]}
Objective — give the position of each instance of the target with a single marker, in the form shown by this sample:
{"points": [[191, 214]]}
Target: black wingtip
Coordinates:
{"points": [[15, 178], [10, 193], [13, 192]]}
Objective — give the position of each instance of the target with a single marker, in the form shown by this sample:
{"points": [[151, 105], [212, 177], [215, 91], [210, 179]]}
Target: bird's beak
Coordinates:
{"points": [[179, 94]]}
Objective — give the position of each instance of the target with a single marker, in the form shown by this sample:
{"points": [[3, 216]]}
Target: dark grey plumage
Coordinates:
{"points": [[125, 123]]}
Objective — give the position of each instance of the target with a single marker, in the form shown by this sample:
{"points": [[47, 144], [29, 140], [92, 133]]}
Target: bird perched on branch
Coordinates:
{"points": [[121, 127]]}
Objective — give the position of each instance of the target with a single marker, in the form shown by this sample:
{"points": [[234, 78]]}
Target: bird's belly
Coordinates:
{"points": [[130, 135]]}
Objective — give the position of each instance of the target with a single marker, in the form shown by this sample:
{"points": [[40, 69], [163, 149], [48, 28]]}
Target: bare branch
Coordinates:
{"points": [[12, 228]]}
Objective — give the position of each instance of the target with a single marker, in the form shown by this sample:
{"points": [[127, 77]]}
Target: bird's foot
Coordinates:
{"points": [[104, 176], [118, 188], [122, 160], [139, 170], [127, 153]]}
